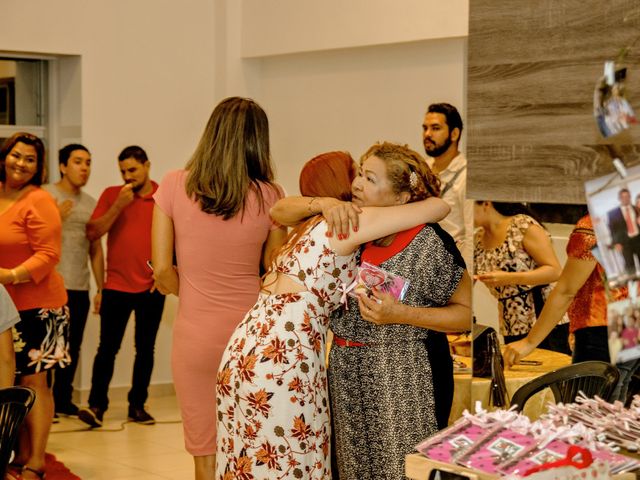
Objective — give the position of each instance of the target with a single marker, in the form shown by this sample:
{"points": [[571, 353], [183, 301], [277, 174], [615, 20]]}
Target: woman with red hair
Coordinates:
{"points": [[273, 408]]}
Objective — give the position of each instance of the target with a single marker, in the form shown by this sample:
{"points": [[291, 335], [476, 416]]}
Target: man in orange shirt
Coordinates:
{"points": [[125, 212]]}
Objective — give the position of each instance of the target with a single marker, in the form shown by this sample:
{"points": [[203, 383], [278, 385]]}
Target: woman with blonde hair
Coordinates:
{"points": [[272, 384], [388, 355], [215, 213]]}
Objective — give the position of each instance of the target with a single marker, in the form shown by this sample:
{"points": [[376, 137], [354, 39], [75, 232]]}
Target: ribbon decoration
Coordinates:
{"points": [[345, 290], [577, 457]]}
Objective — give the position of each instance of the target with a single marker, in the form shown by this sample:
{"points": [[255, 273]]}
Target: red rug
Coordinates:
{"points": [[56, 470]]}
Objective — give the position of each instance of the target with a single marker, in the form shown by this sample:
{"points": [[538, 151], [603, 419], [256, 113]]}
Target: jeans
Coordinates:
{"points": [[78, 304], [115, 311]]}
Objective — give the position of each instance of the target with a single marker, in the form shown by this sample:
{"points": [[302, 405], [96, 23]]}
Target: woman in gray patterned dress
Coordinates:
{"points": [[380, 369]]}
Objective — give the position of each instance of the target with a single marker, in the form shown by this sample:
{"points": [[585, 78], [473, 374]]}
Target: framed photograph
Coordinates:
{"points": [[624, 330], [614, 205]]}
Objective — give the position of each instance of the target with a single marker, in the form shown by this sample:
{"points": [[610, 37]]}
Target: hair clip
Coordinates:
{"points": [[413, 180]]}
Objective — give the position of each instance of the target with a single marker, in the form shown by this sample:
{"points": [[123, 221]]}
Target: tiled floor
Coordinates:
{"points": [[136, 451]]}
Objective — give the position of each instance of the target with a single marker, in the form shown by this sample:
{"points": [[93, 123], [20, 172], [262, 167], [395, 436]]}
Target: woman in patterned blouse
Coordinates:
{"points": [[580, 292], [514, 258]]}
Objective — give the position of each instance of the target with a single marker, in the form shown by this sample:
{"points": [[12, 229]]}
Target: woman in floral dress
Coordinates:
{"points": [[273, 409]]}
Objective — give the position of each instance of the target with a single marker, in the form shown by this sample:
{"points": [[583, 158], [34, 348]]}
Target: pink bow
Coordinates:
{"points": [[345, 290]]}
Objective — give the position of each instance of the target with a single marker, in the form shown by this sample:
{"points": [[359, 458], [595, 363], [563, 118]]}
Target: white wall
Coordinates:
{"points": [[278, 27], [348, 99], [341, 75], [146, 73], [331, 75]]}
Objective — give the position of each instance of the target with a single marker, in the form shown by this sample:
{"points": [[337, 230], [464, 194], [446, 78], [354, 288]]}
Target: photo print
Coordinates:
{"points": [[611, 109], [614, 205], [624, 329]]}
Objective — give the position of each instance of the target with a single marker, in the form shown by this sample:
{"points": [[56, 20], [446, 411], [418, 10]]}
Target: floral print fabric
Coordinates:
{"points": [[273, 408], [41, 340], [516, 302]]}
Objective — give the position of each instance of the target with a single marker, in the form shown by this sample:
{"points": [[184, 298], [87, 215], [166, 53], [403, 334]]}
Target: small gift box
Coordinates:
{"points": [[370, 277]]}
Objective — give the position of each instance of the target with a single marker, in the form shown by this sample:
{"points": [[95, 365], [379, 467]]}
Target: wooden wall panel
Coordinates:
{"points": [[532, 68]]}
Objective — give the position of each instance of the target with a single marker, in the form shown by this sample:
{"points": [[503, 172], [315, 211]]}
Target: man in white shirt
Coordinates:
{"points": [[442, 128]]}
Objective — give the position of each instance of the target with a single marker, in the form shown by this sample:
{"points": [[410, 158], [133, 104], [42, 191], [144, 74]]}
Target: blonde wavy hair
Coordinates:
{"points": [[407, 170]]}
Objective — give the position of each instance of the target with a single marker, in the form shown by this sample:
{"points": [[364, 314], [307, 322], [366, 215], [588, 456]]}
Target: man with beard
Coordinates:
{"points": [[75, 208], [442, 128], [125, 212]]}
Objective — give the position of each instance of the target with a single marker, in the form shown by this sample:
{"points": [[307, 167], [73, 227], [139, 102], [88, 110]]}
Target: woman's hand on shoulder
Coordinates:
{"points": [[340, 216]]}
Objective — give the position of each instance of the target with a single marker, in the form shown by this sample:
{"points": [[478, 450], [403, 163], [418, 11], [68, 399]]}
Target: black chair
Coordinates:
{"points": [[592, 378], [15, 403]]}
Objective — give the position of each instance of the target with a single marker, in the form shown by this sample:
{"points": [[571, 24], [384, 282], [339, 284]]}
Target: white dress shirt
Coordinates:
{"points": [[459, 223]]}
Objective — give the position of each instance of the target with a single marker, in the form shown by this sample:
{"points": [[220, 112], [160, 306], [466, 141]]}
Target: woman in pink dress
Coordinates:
{"points": [[215, 213]]}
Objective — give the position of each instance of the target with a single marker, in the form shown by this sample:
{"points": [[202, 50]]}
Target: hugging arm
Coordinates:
{"points": [[378, 222], [339, 215]]}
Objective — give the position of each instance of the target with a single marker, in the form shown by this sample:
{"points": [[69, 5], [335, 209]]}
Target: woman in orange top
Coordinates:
{"points": [[581, 291], [29, 251]]}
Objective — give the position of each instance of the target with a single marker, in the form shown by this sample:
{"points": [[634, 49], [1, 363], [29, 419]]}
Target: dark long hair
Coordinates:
{"points": [[509, 209], [40, 176]]}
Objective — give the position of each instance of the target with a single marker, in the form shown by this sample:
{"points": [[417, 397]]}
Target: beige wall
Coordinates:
{"points": [[146, 73], [293, 26], [331, 75], [348, 99]]}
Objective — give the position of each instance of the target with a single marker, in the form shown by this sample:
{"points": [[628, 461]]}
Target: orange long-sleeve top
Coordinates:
{"points": [[31, 236]]}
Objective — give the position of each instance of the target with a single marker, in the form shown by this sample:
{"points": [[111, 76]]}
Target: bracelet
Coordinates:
{"points": [[14, 276], [309, 205]]}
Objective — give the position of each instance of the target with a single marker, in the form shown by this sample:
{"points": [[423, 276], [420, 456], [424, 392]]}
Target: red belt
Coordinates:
{"points": [[341, 342]]}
